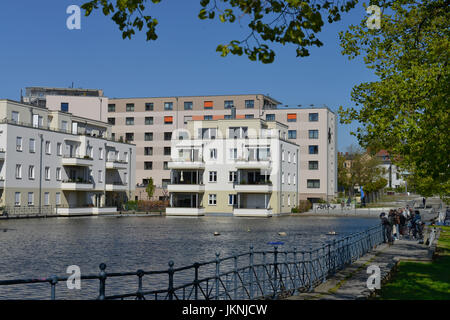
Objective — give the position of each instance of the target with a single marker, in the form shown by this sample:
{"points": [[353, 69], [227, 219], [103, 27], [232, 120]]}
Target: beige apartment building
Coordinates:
{"points": [[150, 122], [240, 167]]}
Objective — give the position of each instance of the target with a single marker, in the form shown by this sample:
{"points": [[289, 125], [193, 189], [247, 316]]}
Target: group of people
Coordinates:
{"points": [[402, 222]]}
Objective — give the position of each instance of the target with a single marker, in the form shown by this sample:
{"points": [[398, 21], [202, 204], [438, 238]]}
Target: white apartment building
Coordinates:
{"points": [[61, 163], [241, 167]]}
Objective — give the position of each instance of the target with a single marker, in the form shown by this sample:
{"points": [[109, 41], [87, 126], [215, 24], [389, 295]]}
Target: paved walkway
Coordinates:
{"points": [[350, 283]]}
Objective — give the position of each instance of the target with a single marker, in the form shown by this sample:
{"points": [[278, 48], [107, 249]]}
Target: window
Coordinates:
{"points": [[64, 106], [148, 121], [294, 179], [100, 153], [249, 104], [289, 200], [289, 157], [166, 165], [64, 126], [228, 117], [289, 178], [18, 171], [148, 165], [32, 146], [168, 120], [130, 107], [148, 136], [231, 199], [112, 121], [58, 174], [89, 151], [213, 176], [59, 149], [168, 105], [213, 154], [48, 147], [129, 136], [167, 151], [207, 133], [291, 117], [58, 198], [238, 132], [233, 154], [47, 173], [270, 117], [294, 157], [208, 104], [19, 143], [249, 116], [46, 198], [282, 177], [292, 134], [212, 199], [100, 176], [313, 117], [282, 155], [313, 134], [167, 136], [311, 183], [149, 106], [313, 149], [15, 116], [148, 151], [129, 121], [31, 172], [30, 198], [228, 104], [208, 117], [17, 199], [313, 165], [188, 105], [232, 176], [111, 108]]}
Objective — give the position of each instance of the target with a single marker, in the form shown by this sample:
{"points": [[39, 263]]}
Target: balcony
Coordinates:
{"points": [[85, 211], [77, 161], [252, 212], [186, 188], [187, 165], [172, 211], [77, 185], [117, 165], [116, 186], [254, 188], [253, 164]]}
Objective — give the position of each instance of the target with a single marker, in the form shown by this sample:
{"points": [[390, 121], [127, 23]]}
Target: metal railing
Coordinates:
{"points": [[272, 274]]}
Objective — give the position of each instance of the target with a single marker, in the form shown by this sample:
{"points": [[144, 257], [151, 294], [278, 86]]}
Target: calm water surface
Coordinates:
{"points": [[36, 248]]}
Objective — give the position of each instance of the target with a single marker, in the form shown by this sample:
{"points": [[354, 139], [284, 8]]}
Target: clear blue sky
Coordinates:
{"points": [[38, 50]]}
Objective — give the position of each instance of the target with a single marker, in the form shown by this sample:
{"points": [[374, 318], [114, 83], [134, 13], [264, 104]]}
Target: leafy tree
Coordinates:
{"points": [[150, 189], [406, 110], [295, 22]]}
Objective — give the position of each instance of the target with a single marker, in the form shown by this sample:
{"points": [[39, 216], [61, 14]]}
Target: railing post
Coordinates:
{"points": [[170, 272], [275, 270], [53, 281], [295, 269], [139, 295], [310, 270], [251, 272], [196, 266], [235, 276], [102, 278], [217, 274]]}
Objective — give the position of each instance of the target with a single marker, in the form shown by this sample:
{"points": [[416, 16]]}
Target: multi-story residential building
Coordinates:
{"points": [[244, 167], [149, 123], [53, 159], [394, 175]]}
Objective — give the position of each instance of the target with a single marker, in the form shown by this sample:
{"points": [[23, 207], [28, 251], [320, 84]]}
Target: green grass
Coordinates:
{"points": [[423, 281]]}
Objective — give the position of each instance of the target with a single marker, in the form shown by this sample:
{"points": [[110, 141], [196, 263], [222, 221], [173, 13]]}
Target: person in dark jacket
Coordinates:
{"points": [[388, 223]]}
